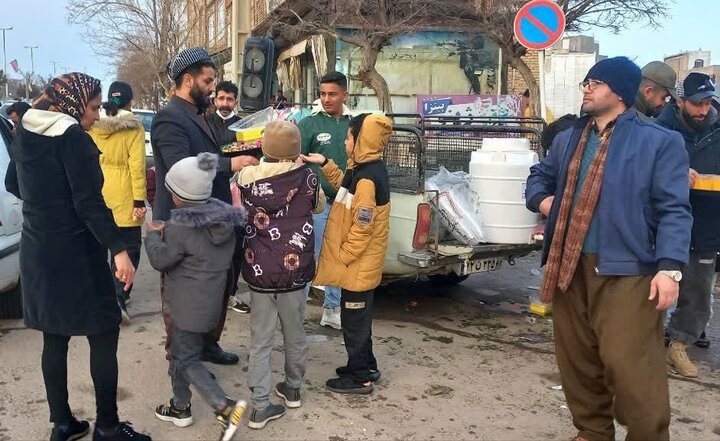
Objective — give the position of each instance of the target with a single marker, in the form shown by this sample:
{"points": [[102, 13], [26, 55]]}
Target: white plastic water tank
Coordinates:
{"points": [[499, 171]]}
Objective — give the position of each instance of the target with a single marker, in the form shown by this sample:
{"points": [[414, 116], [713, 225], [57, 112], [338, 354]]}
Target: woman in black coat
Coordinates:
{"points": [[67, 232]]}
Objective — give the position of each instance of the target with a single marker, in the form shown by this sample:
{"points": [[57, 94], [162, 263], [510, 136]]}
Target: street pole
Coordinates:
{"points": [[32, 71], [54, 63], [7, 81]]}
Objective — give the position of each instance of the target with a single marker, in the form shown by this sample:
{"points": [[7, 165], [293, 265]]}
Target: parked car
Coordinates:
{"points": [[4, 107], [10, 229], [146, 117]]}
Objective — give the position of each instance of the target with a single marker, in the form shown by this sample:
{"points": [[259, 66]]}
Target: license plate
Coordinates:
{"points": [[478, 266]]}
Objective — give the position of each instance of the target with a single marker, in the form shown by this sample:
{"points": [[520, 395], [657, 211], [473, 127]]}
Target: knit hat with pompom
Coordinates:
{"points": [[191, 179]]}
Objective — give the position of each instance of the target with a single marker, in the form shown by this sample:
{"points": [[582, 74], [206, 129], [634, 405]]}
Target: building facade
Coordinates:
{"points": [[686, 62], [566, 65]]}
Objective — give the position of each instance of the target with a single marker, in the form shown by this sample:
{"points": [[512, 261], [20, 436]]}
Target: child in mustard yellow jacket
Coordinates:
{"points": [[355, 242]]}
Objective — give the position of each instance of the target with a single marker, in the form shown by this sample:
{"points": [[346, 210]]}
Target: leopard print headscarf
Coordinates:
{"points": [[69, 94]]}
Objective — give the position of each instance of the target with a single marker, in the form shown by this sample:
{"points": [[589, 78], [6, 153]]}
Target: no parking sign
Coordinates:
{"points": [[539, 24]]}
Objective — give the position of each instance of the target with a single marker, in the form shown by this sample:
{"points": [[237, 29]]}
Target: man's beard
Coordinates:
{"points": [[202, 100], [698, 126]]}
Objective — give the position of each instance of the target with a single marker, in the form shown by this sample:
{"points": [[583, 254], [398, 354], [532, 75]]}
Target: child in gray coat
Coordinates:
{"points": [[194, 250]]}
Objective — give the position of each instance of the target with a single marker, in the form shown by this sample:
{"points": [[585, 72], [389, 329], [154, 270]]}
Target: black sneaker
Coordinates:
{"points": [[70, 431], [373, 376], [238, 306], [703, 342], [214, 354], [290, 395], [175, 415], [348, 385], [121, 432], [230, 418], [260, 417]]}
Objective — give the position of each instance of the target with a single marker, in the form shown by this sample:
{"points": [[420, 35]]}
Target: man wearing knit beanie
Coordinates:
{"points": [[614, 189]]}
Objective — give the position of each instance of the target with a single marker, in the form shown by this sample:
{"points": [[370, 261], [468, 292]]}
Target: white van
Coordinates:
{"points": [[11, 220]]}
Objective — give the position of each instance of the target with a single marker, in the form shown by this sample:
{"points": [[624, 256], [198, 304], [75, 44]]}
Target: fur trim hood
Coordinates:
{"points": [[109, 125], [220, 219]]}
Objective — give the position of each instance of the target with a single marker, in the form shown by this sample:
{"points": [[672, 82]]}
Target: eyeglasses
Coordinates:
{"points": [[590, 84]]}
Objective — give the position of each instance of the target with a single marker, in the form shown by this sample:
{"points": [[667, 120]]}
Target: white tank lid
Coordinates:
{"points": [[505, 144]]}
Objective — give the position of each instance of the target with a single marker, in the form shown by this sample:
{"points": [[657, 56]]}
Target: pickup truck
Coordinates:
{"points": [[417, 247]]}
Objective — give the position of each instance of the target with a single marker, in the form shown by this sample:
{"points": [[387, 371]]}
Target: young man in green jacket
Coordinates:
{"points": [[324, 132]]}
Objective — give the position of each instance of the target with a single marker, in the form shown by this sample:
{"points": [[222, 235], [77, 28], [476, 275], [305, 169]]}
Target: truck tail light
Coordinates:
{"points": [[423, 225]]}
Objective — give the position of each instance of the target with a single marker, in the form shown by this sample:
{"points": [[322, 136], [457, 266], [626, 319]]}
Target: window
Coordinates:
{"points": [[220, 21], [211, 28]]}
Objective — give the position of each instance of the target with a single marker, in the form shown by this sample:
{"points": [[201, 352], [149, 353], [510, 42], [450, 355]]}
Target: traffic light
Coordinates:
{"points": [[258, 61]]}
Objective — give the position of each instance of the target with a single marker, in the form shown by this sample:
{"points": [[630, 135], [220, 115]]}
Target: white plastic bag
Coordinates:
{"points": [[257, 120], [457, 205]]}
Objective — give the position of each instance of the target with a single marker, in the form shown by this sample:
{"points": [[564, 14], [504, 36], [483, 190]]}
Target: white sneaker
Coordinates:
{"points": [[331, 318]]}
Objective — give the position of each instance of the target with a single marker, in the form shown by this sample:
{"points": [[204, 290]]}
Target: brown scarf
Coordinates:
{"points": [[570, 234]]}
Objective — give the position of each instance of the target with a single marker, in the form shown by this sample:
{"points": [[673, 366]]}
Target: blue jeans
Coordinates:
{"points": [[332, 293]]}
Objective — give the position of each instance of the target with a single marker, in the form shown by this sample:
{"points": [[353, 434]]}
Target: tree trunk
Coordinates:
{"points": [[504, 71], [371, 78], [522, 67]]}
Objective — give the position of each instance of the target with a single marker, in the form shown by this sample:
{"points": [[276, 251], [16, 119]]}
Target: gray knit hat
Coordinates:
{"points": [[191, 179], [184, 59]]}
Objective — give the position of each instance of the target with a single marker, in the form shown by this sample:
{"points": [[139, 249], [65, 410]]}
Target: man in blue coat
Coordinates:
{"points": [[694, 117], [615, 191]]}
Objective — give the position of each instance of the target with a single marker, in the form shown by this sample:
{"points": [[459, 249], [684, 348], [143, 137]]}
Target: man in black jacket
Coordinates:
{"points": [[697, 120], [226, 94], [180, 130]]}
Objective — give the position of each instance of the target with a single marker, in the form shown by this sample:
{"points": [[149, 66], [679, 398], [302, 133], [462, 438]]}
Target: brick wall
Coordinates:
{"points": [[516, 83]]}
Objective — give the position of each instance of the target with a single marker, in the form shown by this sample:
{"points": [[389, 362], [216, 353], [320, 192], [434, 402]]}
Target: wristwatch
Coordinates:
{"points": [[675, 275]]}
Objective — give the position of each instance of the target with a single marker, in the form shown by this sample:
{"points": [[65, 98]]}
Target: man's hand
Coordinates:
{"points": [[546, 205], [124, 269], [692, 176], [239, 162], [665, 289], [314, 158]]}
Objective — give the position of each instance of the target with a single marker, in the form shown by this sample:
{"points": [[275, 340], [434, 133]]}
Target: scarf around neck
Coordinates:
{"points": [[573, 223]]}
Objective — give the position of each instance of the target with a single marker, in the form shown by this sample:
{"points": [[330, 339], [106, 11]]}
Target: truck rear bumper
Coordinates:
{"points": [[430, 260]]}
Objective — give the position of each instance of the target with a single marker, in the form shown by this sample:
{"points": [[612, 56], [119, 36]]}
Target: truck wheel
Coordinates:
{"points": [[448, 279], [11, 303]]}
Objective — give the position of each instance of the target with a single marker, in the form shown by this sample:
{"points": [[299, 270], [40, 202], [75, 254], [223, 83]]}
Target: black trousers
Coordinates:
{"points": [[356, 315], [132, 236], [103, 368]]}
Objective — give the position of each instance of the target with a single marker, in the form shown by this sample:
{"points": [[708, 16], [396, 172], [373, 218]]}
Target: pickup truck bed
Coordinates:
{"points": [[416, 248]]}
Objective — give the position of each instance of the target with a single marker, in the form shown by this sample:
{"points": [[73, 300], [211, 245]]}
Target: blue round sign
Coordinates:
{"points": [[539, 24]]}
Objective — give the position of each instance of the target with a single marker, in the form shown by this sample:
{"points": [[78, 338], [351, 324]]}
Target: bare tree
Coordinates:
{"points": [[132, 68], [143, 33], [496, 19], [372, 25]]}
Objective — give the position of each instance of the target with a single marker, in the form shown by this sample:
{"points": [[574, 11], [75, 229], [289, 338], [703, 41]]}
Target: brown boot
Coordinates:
{"points": [[677, 357]]}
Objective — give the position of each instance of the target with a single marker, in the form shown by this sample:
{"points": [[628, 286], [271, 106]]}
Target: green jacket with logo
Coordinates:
{"points": [[324, 134]]}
